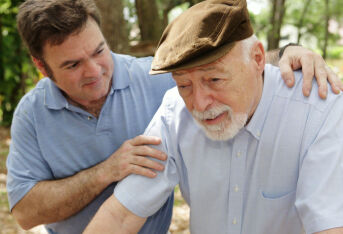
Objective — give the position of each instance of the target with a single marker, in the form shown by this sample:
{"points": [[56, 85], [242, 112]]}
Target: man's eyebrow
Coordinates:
{"points": [[68, 62], [98, 48]]}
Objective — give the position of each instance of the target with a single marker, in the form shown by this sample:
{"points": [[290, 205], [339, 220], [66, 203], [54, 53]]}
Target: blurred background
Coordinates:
{"points": [[134, 27]]}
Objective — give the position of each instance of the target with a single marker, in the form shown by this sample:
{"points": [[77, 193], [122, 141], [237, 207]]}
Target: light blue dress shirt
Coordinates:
{"points": [[52, 139], [281, 174]]}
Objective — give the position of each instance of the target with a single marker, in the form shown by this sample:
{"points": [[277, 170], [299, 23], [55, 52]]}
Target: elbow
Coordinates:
{"points": [[24, 220]]}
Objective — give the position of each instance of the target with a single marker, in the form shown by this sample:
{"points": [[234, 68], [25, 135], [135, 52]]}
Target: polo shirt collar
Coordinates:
{"points": [[121, 75], [256, 124], [54, 99]]}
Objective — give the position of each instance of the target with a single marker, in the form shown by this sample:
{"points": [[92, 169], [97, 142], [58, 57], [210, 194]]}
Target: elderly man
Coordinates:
{"points": [[251, 156]]}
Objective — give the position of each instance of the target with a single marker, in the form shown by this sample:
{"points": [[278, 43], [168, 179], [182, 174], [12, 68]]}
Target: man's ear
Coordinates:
{"points": [[258, 54], [40, 65]]}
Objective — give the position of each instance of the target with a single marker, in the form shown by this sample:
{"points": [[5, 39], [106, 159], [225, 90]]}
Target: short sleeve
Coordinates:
{"points": [[319, 198], [25, 164], [144, 196]]}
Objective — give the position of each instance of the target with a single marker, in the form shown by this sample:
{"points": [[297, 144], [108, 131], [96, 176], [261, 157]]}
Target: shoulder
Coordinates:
{"points": [[173, 107], [138, 66], [34, 98], [276, 87]]}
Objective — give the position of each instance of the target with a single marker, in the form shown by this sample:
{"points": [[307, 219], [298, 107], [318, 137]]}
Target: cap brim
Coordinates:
{"points": [[203, 59]]}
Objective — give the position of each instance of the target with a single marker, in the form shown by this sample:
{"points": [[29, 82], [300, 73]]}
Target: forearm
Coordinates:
{"points": [[55, 200], [113, 217], [272, 57]]}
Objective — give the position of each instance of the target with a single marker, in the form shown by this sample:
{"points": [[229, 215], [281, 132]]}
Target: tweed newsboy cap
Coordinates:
{"points": [[201, 35]]}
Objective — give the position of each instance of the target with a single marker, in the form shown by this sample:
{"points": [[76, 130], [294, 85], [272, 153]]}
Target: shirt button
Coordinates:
{"points": [[236, 188], [234, 221], [90, 117], [238, 154]]}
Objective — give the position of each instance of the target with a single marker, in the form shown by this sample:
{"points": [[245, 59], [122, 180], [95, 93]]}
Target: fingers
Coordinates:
{"points": [[138, 170], [287, 72], [145, 140], [150, 152], [321, 76], [134, 157], [335, 82], [147, 163], [307, 64]]}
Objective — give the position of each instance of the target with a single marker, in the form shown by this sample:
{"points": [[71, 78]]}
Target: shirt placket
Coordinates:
{"points": [[237, 172]]}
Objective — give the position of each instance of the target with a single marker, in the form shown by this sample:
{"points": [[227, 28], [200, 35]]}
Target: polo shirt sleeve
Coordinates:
{"points": [[319, 197], [144, 196], [25, 164]]}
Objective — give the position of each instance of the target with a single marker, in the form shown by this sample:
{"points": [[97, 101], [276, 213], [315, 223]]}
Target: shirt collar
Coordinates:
{"points": [[256, 124], [54, 99], [121, 75]]}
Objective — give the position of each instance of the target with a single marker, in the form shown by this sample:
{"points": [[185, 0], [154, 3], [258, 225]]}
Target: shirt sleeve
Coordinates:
{"points": [[25, 164], [144, 196], [319, 198]]}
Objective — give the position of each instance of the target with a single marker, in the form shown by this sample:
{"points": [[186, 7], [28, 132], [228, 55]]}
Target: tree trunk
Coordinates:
{"points": [[326, 37], [2, 70], [113, 24], [302, 18], [149, 21], [167, 7], [276, 19]]}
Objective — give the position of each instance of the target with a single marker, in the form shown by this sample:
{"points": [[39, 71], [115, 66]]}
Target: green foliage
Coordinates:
{"points": [[336, 52], [16, 68]]}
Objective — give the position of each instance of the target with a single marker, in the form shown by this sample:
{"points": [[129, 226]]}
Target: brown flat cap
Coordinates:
{"points": [[201, 35]]}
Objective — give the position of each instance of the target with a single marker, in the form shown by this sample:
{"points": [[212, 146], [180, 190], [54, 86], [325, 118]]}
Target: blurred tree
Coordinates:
{"points": [[149, 20], [301, 22], [113, 24], [16, 66], [276, 18], [326, 27]]}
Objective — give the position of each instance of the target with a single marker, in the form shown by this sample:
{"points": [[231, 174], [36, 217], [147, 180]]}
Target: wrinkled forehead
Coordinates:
{"points": [[219, 66]]}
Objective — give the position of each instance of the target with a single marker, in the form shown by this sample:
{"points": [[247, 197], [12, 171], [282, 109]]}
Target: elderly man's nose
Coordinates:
{"points": [[201, 99]]}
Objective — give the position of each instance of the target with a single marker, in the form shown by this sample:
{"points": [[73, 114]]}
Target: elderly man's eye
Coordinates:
{"points": [[215, 79], [182, 86]]}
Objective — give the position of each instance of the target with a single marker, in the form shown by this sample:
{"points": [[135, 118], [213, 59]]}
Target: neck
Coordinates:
{"points": [[259, 92], [93, 107]]}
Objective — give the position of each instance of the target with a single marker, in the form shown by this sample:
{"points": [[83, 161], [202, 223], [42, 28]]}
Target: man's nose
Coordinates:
{"points": [[92, 69], [202, 98]]}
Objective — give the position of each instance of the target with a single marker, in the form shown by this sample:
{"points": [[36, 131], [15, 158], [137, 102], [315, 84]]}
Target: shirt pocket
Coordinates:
{"points": [[277, 215]]}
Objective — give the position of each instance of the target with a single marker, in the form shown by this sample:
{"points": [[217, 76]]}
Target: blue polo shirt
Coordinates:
{"points": [[52, 139]]}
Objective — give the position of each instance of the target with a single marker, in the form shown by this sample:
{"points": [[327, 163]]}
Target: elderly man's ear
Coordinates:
{"points": [[258, 56]]}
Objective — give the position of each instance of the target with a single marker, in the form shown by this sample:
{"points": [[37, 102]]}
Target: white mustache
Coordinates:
{"points": [[212, 113]]}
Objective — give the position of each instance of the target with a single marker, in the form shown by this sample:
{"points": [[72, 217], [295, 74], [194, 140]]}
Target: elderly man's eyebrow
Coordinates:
{"points": [[178, 73], [210, 68]]}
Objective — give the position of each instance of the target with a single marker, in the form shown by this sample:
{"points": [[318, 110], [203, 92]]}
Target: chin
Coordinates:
{"points": [[225, 130]]}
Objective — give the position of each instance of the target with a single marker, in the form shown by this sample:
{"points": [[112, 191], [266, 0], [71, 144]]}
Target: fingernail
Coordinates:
{"points": [[288, 82]]}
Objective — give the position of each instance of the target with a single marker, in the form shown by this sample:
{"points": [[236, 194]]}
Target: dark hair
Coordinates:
{"points": [[52, 21]]}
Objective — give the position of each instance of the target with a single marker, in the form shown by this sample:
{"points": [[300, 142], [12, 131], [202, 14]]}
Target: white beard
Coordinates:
{"points": [[224, 130]]}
